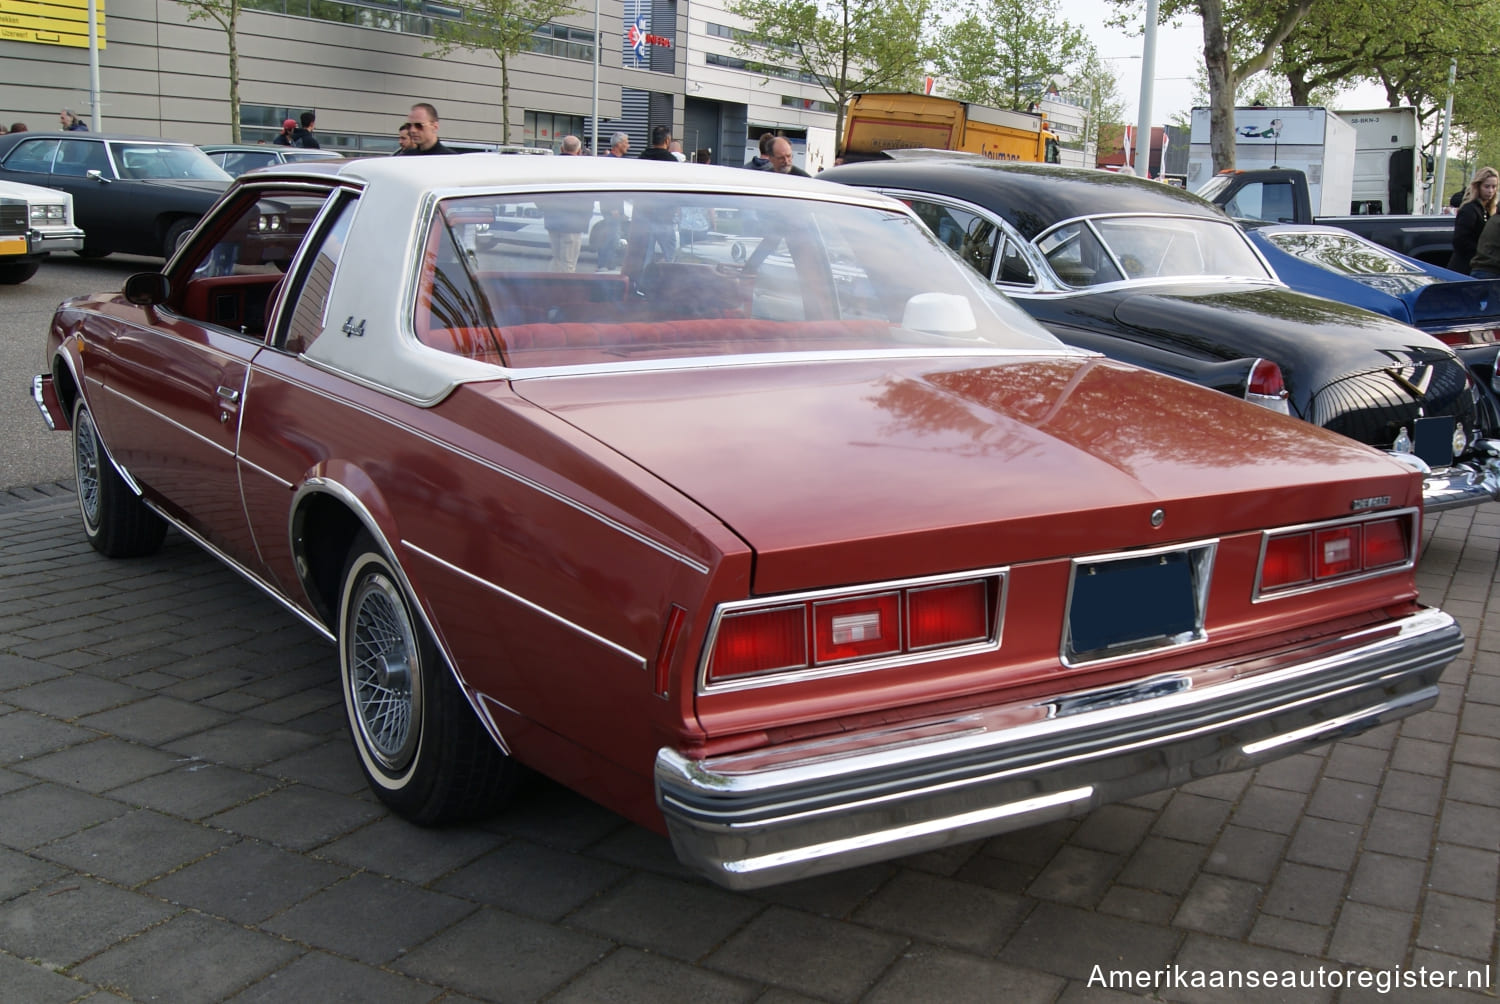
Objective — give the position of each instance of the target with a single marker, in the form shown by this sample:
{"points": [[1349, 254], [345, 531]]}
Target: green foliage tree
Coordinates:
{"points": [[844, 46], [226, 14], [501, 27], [1004, 53], [1240, 39], [1093, 85]]}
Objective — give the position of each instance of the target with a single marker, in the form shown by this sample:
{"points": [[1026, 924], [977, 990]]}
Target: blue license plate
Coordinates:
{"points": [[1131, 603]]}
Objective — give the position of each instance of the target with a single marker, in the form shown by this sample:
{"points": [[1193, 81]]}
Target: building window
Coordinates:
{"points": [[546, 130], [808, 104], [416, 17]]}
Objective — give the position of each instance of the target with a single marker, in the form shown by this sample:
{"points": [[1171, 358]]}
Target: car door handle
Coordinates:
{"points": [[228, 395]]}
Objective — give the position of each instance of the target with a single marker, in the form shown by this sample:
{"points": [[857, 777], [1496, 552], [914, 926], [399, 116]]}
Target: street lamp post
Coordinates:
{"points": [[1143, 113]]}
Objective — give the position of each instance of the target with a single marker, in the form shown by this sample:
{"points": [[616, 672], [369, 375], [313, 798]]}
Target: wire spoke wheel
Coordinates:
{"points": [[86, 467], [384, 671]]}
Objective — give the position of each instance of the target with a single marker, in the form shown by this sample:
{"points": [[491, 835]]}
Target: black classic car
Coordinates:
{"points": [[1152, 275], [132, 194]]}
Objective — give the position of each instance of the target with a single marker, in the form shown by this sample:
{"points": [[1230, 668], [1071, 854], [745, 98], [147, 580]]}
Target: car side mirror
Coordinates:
{"points": [[97, 175], [146, 289]]}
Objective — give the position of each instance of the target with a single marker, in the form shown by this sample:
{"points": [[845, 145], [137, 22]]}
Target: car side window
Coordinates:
{"points": [[237, 162], [972, 236], [32, 155], [308, 300], [77, 157], [1076, 255], [1015, 270], [234, 273]]}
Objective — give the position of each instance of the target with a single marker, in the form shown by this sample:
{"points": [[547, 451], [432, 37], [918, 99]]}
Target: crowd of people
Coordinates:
{"points": [[66, 121]]}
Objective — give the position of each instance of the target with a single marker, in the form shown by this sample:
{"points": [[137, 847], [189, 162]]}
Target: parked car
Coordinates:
{"points": [[34, 222], [1332, 262], [807, 574], [1155, 276], [132, 194], [237, 158]]}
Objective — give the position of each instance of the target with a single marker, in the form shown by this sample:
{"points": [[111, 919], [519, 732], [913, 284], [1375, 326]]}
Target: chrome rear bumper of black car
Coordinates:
{"points": [[800, 809], [1469, 481]]}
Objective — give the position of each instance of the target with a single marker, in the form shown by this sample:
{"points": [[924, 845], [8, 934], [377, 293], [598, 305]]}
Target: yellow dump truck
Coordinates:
{"points": [[875, 123]]}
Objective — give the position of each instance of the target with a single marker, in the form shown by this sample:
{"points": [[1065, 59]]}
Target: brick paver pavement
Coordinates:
{"points": [[182, 819]]}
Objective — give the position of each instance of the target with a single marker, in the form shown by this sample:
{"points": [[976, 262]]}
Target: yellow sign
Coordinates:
{"points": [[50, 22], [13, 245]]}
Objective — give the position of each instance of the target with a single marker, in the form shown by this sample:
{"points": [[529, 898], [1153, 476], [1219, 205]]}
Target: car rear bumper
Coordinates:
{"points": [[800, 809]]}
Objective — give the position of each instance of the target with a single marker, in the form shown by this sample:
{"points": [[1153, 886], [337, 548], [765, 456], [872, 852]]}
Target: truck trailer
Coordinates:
{"points": [[1315, 141], [876, 123]]}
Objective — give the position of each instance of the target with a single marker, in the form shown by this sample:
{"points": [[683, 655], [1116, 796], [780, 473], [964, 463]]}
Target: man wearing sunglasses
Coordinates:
{"points": [[423, 129]]}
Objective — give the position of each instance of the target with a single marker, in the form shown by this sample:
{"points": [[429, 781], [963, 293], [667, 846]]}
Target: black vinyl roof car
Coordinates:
{"points": [[237, 158], [133, 194], [1152, 275]]}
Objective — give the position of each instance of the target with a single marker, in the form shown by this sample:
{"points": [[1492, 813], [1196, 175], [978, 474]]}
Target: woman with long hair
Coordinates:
{"points": [[1473, 213]]}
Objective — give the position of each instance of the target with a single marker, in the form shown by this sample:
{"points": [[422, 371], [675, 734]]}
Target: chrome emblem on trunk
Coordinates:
{"points": [[1373, 502], [1158, 517]]}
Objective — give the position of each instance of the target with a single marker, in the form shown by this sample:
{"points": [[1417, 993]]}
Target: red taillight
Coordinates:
{"points": [[1386, 542], [1326, 554], [1474, 336], [1288, 561], [1336, 552], [760, 641], [826, 630], [948, 614], [857, 629], [1265, 380]]}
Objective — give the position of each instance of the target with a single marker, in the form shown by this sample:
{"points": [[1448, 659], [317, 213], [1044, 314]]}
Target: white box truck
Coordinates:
{"points": [[1314, 141], [1389, 170]]}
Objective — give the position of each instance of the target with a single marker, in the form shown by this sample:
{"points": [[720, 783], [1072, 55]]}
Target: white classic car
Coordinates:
{"points": [[33, 222]]}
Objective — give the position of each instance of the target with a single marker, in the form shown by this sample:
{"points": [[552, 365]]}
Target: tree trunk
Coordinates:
{"points": [[1221, 85], [504, 99], [1224, 77], [234, 70]]}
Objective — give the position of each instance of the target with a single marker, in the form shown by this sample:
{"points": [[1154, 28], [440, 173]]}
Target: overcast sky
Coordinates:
{"points": [[1179, 55]]}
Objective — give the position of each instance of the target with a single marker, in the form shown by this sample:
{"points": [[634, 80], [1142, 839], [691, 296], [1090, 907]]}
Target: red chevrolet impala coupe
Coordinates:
{"points": [[735, 502]]}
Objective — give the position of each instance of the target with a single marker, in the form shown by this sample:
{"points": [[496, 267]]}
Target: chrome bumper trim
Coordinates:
{"points": [[1466, 483], [787, 812], [49, 241], [40, 386]]}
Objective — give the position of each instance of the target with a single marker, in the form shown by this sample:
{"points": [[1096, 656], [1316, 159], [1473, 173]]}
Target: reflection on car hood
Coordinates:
{"points": [[1275, 323], [815, 458]]}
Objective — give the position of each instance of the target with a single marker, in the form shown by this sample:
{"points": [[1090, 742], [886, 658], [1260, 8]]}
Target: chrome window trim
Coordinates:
{"points": [[1039, 266], [1270, 273], [1203, 554], [1000, 574], [1412, 513]]}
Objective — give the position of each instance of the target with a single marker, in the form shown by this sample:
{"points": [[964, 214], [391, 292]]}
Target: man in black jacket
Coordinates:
{"points": [[661, 139], [424, 132], [303, 135]]}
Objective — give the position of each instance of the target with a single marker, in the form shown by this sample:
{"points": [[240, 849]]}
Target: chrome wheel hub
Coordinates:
{"points": [[382, 659]]}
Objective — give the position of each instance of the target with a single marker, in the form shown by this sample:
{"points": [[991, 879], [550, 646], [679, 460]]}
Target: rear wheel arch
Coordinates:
{"points": [[323, 530]]}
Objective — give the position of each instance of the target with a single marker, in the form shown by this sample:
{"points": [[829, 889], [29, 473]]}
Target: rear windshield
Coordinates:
{"points": [[583, 278]]}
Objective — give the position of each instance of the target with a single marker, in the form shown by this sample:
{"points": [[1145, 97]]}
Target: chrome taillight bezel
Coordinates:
{"points": [[996, 581], [1413, 546]]}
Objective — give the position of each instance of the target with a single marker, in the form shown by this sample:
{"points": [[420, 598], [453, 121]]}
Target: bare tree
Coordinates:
{"points": [[226, 14]]}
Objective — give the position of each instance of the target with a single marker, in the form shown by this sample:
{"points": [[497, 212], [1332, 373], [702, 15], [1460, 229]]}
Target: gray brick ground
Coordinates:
{"points": [[182, 819]]}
